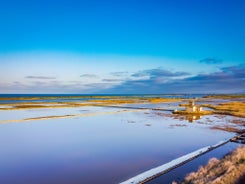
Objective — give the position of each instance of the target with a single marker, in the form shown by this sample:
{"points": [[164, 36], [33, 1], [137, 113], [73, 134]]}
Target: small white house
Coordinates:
{"points": [[191, 107]]}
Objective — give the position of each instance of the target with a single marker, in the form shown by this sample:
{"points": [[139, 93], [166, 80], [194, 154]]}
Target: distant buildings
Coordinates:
{"points": [[192, 111], [192, 108]]}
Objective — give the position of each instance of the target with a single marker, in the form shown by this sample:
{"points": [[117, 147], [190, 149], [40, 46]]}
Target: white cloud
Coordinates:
{"points": [[66, 72]]}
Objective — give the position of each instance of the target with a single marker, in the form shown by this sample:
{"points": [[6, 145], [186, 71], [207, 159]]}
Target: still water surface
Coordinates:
{"points": [[105, 148]]}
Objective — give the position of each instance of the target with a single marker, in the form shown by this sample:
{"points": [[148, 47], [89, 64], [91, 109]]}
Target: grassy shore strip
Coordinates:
{"points": [[35, 105], [80, 97], [230, 169], [226, 96], [136, 100], [93, 102], [66, 116], [229, 108]]}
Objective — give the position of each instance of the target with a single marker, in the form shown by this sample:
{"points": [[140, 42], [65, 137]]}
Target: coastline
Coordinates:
{"points": [[232, 108], [229, 169]]}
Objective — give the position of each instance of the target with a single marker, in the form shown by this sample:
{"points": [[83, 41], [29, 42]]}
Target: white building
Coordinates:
{"points": [[191, 107]]}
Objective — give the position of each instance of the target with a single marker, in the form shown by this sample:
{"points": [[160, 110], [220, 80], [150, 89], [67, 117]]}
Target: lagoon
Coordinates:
{"points": [[97, 144]]}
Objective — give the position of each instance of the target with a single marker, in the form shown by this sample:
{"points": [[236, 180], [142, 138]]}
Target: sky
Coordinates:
{"points": [[122, 46]]}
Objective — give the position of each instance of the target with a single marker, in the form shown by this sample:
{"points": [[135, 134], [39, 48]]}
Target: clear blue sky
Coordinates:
{"points": [[122, 46]]}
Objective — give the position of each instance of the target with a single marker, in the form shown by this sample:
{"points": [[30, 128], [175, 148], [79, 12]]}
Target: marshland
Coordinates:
{"points": [[109, 139]]}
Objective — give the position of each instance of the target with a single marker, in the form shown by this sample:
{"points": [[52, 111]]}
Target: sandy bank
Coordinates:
{"points": [[65, 116]]}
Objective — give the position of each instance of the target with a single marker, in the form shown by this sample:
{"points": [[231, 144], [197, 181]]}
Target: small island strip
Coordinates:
{"points": [[192, 109]]}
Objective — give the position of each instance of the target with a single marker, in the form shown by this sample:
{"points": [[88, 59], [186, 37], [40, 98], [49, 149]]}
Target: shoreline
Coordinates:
{"points": [[232, 108], [229, 169], [165, 168]]}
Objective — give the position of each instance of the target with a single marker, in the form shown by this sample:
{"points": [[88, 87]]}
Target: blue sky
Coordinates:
{"points": [[122, 46]]}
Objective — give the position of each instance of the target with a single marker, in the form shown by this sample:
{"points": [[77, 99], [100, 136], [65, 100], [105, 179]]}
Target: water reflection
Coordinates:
{"points": [[108, 148], [192, 118]]}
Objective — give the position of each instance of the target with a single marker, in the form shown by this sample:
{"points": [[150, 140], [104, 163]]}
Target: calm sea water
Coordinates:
{"points": [[91, 95], [98, 145]]}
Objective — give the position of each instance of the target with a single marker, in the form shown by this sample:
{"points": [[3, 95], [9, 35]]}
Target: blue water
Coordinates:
{"points": [[92, 95], [97, 148], [99, 144], [180, 173]]}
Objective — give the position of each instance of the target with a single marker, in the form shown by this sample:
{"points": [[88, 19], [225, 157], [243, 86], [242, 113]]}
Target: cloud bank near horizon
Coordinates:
{"points": [[153, 81], [227, 80], [40, 77]]}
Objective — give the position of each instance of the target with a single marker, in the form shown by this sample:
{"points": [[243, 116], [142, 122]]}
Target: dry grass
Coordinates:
{"points": [[133, 100], [35, 105], [103, 101], [228, 170], [229, 108], [163, 100], [115, 101], [234, 96]]}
